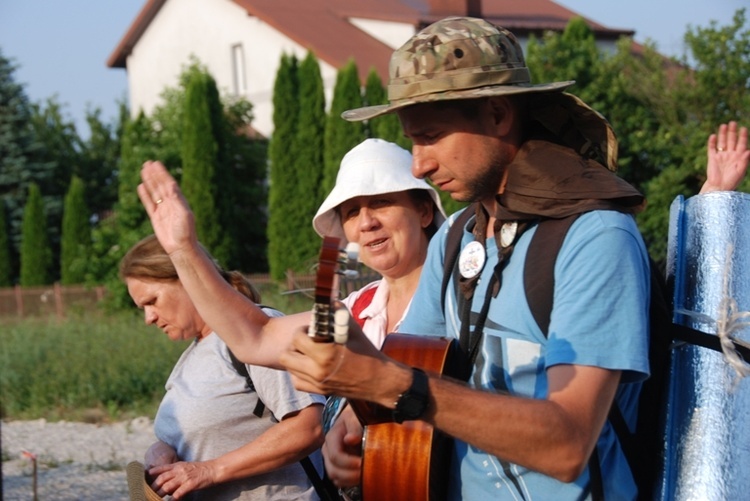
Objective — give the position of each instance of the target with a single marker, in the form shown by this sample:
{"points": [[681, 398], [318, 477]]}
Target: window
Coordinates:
{"points": [[238, 70]]}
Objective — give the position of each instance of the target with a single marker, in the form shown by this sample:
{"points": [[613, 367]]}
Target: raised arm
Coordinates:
{"points": [[251, 335], [728, 157]]}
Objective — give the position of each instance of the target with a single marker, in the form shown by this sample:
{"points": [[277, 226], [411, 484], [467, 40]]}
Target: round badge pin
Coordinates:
{"points": [[471, 261], [508, 233]]}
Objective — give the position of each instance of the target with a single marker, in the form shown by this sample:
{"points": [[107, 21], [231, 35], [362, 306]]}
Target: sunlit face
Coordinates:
{"points": [[167, 305], [389, 229], [461, 155]]}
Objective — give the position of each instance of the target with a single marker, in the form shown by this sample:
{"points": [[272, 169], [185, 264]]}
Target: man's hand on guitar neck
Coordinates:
{"points": [[356, 370]]}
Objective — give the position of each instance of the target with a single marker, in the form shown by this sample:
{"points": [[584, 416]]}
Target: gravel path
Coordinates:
{"points": [[75, 461]]}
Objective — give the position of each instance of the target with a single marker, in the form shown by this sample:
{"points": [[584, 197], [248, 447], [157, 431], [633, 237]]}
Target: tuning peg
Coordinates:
{"points": [[352, 251], [341, 326]]}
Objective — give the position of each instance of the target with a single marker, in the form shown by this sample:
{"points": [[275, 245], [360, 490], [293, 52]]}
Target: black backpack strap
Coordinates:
{"points": [[539, 284], [242, 371], [324, 488], [325, 491], [453, 247], [539, 268]]}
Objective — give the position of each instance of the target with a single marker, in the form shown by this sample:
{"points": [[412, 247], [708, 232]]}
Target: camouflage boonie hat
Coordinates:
{"points": [[455, 58], [469, 58]]}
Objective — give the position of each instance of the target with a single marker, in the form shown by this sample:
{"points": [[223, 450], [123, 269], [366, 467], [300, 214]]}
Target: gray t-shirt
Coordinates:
{"points": [[207, 411]]}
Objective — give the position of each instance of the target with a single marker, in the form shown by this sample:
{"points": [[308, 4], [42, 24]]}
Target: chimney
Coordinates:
{"points": [[445, 8]]}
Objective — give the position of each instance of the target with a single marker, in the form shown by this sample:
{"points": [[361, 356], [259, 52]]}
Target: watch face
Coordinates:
{"points": [[413, 402]]}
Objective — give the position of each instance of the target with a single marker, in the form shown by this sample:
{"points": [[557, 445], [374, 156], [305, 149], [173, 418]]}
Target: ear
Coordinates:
{"points": [[504, 115], [427, 211]]}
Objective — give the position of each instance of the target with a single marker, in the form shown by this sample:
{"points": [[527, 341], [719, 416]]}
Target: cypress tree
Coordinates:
{"points": [[340, 135], [135, 150], [282, 158], [35, 251], [76, 235], [308, 162], [6, 279], [21, 155], [199, 162], [387, 126]]}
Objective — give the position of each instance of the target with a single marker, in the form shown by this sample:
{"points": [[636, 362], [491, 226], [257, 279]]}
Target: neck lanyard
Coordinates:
{"points": [[469, 340]]}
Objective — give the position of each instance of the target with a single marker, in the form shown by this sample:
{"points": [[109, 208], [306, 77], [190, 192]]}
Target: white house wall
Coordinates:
{"points": [[393, 35], [208, 29]]}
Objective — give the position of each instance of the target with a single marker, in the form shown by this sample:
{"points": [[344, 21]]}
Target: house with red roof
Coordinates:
{"points": [[241, 41]]}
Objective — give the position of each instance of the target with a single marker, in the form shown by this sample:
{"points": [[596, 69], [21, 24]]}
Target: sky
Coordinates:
{"points": [[61, 47]]}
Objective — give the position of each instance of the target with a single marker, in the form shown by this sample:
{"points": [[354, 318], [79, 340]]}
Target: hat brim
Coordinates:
{"points": [[368, 112], [138, 488]]}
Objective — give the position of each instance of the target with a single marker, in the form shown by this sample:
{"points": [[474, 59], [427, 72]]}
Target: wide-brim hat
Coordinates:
{"points": [[138, 488], [455, 58], [373, 167], [469, 58]]}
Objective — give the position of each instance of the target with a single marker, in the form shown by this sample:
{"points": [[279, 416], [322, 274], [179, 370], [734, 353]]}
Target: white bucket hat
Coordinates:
{"points": [[373, 167]]}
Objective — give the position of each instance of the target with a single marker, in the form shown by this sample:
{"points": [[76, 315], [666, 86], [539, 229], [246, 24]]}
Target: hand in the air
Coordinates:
{"points": [[728, 157], [170, 214]]}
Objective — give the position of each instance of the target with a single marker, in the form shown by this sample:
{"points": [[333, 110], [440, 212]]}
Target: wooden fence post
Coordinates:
{"points": [[58, 300], [19, 300]]}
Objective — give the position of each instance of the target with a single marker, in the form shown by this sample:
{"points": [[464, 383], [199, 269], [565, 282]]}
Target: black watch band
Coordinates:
{"points": [[413, 402]]}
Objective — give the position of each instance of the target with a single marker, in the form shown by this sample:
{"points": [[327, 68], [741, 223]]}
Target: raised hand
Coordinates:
{"points": [[170, 214], [728, 157]]}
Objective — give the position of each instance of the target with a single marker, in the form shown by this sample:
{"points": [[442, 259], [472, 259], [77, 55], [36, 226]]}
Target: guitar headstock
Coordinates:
{"points": [[329, 323]]}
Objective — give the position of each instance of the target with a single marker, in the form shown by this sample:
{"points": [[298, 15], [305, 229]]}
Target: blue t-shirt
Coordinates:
{"points": [[599, 318]]}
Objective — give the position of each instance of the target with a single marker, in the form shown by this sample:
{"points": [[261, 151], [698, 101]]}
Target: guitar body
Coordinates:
{"points": [[408, 461]]}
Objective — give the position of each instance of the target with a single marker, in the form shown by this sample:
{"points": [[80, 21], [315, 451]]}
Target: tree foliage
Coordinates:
{"points": [[308, 164], [35, 251], [282, 157], [386, 126], [76, 235], [662, 110], [201, 141], [341, 135], [6, 275], [21, 154]]}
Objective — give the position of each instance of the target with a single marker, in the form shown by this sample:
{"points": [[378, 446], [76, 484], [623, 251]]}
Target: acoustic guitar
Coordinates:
{"points": [[400, 462]]}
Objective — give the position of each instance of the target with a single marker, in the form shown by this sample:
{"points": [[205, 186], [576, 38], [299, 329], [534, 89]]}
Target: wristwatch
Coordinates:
{"points": [[412, 403]]}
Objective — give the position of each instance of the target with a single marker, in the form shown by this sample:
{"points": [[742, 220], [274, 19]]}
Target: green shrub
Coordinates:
{"points": [[60, 368]]}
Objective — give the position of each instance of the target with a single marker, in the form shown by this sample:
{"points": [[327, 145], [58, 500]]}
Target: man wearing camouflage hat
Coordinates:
{"points": [[532, 421]]}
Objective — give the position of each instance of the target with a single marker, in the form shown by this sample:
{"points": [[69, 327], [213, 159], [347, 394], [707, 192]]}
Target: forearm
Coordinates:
{"points": [[283, 444], [554, 436], [537, 434], [251, 335]]}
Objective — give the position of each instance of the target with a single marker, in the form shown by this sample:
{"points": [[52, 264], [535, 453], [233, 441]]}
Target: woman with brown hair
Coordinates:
{"points": [[222, 434]]}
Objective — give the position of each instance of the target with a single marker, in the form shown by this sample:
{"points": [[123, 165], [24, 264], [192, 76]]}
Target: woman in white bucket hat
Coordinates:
{"points": [[378, 204]]}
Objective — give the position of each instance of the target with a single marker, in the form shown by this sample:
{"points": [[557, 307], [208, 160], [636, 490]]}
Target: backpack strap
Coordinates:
{"points": [[453, 246], [539, 285], [539, 279], [241, 369]]}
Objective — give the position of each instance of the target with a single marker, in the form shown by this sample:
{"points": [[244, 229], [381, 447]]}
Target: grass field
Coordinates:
{"points": [[93, 365]]}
